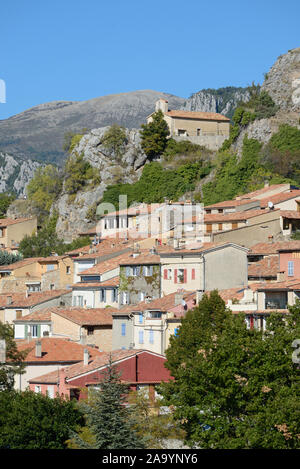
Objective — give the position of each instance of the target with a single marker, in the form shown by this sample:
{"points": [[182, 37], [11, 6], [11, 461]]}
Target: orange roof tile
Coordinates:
{"points": [[21, 300], [55, 350], [12, 221], [85, 316], [197, 115], [266, 267]]}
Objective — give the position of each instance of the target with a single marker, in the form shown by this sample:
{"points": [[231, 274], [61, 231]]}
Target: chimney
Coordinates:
{"points": [[86, 356], [83, 339], [8, 300], [38, 349], [178, 297]]}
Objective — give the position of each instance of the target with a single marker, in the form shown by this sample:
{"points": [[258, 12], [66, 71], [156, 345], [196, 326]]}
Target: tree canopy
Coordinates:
{"points": [[235, 388], [154, 135]]}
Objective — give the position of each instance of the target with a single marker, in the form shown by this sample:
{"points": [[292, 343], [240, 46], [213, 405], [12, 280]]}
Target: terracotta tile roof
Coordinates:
{"points": [[20, 300], [55, 350], [19, 264], [231, 203], [263, 190], [85, 316], [291, 214], [202, 247], [267, 248], [106, 246], [262, 311], [198, 115], [281, 197], [235, 216], [266, 267], [144, 257], [36, 316], [164, 304], [95, 362], [12, 221], [112, 282], [232, 293], [284, 285], [105, 266]]}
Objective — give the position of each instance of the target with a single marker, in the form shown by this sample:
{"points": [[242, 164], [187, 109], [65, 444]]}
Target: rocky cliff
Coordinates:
{"points": [[73, 218], [282, 83], [15, 173], [222, 100]]}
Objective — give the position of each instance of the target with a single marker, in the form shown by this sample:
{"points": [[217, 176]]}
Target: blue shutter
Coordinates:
{"points": [[140, 318], [176, 331], [151, 337], [141, 337], [123, 332]]}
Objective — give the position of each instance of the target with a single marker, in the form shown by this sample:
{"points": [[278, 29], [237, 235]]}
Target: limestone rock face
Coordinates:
{"points": [[283, 81], [15, 173], [222, 101], [73, 217]]}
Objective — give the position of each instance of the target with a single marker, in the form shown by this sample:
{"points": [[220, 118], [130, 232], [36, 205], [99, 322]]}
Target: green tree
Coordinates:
{"points": [[114, 141], [235, 388], [79, 173], [108, 420], [154, 135], [13, 363], [44, 188], [31, 420], [153, 425], [5, 200], [44, 242], [7, 258]]}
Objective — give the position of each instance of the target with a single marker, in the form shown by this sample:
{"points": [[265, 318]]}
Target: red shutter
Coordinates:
{"points": [[193, 274], [251, 322], [175, 275], [165, 274], [184, 276]]}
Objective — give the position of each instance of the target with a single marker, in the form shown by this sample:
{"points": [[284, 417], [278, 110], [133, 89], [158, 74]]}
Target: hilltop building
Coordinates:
{"points": [[208, 129]]}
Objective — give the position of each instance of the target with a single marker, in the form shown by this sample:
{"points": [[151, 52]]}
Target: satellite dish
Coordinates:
{"points": [[270, 205]]}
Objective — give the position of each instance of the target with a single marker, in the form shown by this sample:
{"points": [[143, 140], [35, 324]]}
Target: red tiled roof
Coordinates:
{"points": [[85, 316], [37, 316], [112, 282], [12, 221], [281, 197], [55, 350], [266, 267], [20, 300], [291, 214], [197, 115], [99, 361]]}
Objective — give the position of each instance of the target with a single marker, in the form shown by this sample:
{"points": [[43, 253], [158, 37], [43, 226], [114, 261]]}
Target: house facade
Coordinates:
{"points": [[203, 128]]}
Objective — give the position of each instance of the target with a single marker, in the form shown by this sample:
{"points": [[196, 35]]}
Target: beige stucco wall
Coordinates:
{"points": [[15, 233], [251, 234], [63, 327]]}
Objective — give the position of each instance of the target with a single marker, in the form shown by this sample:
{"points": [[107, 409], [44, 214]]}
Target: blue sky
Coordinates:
{"points": [[71, 50]]}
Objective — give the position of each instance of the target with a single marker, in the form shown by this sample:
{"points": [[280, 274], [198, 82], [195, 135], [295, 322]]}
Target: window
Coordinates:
{"points": [[151, 337], [128, 271], [141, 295], [141, 318], [90, 278], [176, 331], [123, 329], [52, 286], [180, 275], [102, 295], [114, 295], [156, 314], [148, 270], [141, 337], [50, 391], [37, 388], [34, 330], [78, 301], [291, 268], [18, 313], [135, 271], [68, 269], [90, 330], [50, 267]]}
